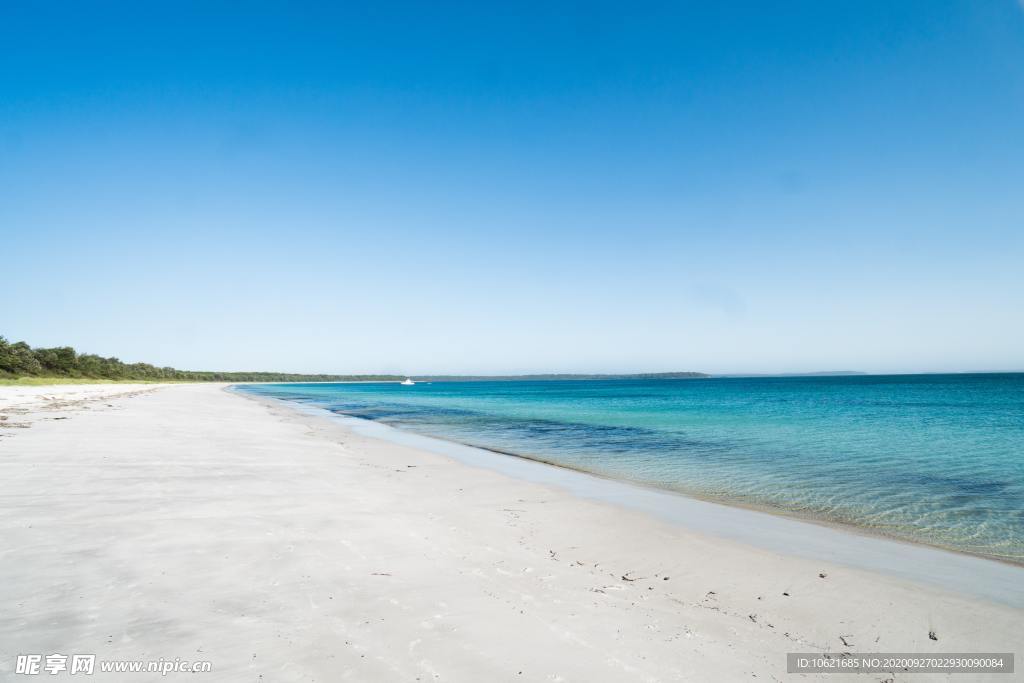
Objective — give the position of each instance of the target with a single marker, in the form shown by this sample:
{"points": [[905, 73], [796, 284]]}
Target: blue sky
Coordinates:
{"points": [[436, 187]]}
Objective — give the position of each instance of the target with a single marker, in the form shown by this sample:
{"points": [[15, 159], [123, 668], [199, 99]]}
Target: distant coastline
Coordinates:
{"points": [[557, 377], [22, 364], [19, 360], [821, 373]]}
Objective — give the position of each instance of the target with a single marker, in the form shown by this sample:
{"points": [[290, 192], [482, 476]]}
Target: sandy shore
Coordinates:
{"points": [[190, 522]]}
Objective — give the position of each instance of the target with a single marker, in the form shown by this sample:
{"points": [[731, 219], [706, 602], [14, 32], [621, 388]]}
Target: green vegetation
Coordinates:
{"points": [[22, 364]]}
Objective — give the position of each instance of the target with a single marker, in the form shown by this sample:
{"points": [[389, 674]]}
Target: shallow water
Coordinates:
{"points": [[930, 458]]}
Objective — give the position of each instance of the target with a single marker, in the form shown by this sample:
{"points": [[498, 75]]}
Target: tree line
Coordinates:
{"points": [[18, 359]]}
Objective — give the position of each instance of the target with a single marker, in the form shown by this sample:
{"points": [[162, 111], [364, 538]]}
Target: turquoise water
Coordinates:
{"points": [[930, 458]]}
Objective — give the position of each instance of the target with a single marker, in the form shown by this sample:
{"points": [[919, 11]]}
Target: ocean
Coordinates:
{"points": [[935, 459]]}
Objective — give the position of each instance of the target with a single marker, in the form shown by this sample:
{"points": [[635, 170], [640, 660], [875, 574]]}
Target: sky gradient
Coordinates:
{"points": [[594, 187]]}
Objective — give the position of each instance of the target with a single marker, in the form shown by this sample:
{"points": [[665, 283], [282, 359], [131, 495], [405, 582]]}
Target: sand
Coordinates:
{"points": [[191, 522]]}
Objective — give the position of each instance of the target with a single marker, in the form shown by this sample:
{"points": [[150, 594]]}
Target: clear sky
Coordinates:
{"points": [[435, 187]]}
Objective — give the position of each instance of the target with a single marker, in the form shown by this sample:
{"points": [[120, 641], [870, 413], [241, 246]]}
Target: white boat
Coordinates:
{"points": [[408, 382]]}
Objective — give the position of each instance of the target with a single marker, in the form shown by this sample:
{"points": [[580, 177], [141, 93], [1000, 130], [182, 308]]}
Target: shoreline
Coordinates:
{"points": [[733, 503], [954, 487], [736, 503], [765, 528]]}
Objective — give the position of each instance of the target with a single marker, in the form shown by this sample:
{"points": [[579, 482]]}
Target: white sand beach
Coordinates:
{"points": [[141, 522]]}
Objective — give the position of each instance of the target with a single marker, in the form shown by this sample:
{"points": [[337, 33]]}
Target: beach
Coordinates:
{"points": [[146, 522]]}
